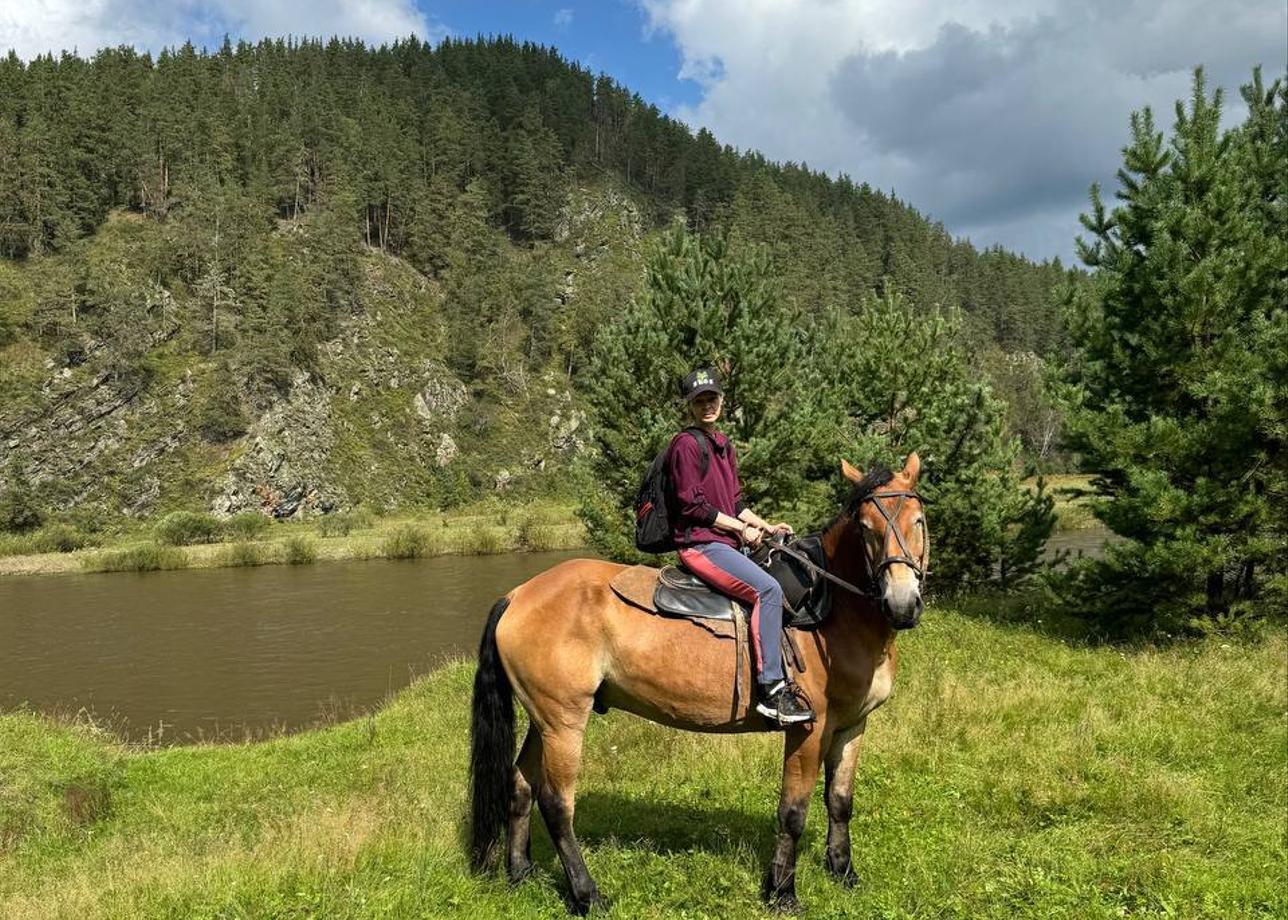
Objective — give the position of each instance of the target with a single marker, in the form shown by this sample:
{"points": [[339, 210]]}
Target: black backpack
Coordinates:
{"points": [[652, 520]]}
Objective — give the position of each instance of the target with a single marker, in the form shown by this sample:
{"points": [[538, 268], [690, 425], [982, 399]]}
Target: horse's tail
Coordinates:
{"points": [[491, 746]]}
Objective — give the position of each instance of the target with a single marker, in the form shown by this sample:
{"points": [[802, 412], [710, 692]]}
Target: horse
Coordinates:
{"points": [[564, 644]]}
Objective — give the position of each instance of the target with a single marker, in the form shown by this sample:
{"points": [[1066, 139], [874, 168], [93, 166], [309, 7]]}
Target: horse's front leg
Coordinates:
{"points": [[842, 757], [801, 758]]}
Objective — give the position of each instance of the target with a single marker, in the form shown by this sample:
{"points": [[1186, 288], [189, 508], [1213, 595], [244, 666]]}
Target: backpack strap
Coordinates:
{"points": [[700, 436]]}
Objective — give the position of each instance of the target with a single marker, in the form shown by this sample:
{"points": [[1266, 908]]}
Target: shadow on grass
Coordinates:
{"points": [[670, 827]]}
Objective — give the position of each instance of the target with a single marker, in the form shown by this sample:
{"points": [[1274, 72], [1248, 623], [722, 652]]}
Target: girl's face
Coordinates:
{"points": [[705, 408]]}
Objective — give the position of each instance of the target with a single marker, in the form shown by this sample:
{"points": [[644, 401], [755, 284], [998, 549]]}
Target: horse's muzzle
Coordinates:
{"points": [[903, 612]]}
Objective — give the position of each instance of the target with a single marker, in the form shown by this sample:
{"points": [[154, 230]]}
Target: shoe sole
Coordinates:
{"points": [[782, 719]]}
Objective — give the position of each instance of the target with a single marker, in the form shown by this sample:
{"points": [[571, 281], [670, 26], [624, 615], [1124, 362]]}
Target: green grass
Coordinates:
{"points": [[1012, 775], [144, 557]]}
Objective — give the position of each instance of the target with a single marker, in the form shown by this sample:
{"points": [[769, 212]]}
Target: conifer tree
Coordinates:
{"points": [[703, 305], [1180, 351]]}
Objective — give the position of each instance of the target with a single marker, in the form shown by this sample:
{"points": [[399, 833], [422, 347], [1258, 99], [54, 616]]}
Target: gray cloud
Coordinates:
{"points": [[990, 116]]}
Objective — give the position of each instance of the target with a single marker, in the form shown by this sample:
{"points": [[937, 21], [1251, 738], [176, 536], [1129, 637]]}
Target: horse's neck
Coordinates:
{"points": [[846, 556], [853, 617]]}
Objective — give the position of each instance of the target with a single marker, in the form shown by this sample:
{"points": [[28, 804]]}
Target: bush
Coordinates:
{"points": [[148, 557], [299, 550], [19, 511], [220, 417], [407, 542], [483, 540], [241, 554], [58, 538], [538, 530], [246, 526], [184, 528], [341, 523]]}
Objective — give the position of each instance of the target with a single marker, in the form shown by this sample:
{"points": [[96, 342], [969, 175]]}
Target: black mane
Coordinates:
{"points": [[874, 479]]}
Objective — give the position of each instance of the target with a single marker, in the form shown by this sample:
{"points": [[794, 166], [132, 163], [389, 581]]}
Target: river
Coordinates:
{"points": [[228, 654]]}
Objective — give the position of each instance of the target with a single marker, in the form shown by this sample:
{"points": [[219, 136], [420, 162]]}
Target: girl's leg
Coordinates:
{"points": [[732, 573]]}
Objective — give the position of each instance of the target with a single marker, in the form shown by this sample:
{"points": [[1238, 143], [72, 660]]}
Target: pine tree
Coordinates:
{"points": [[703, 305], [1180, 344]]}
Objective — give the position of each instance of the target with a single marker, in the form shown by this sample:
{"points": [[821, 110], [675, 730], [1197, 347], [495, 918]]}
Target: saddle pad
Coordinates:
{"points": [[672, 592]]}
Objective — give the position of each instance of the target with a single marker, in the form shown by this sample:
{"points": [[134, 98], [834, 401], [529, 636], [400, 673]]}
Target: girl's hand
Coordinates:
{"points": [[781, 529], [752, 535]]}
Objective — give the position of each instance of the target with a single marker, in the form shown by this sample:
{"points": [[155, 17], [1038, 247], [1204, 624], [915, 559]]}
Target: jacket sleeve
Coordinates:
{"points": [[685, 465], [739, 506]]}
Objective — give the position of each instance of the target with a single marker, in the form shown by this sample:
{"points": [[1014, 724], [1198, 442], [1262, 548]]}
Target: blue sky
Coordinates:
{"points": [[612, 36], [991, 116]]}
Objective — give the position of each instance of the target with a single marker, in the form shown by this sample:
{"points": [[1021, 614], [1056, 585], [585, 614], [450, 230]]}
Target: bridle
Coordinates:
{"points": [[918, 566], [904, 557]]}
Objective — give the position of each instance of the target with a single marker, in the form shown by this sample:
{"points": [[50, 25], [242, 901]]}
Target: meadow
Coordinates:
{"points": [[1014, 773]]}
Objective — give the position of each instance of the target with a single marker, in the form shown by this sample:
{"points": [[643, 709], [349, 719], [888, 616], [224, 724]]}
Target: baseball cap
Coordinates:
{"points": [[703, 380]]}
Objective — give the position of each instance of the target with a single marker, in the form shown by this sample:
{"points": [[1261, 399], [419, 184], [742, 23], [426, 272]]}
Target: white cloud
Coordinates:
{"points": [[32, 27], [993, 116], [563, 18]]}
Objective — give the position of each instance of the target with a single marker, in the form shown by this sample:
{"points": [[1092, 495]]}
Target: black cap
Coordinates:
{"points": [[703, 380]]}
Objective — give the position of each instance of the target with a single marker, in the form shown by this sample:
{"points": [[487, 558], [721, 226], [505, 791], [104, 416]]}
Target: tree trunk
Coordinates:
{"points": [[1216, 592]]}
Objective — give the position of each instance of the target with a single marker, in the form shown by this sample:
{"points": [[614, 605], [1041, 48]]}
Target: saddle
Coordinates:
{"points": [[674, 591]]}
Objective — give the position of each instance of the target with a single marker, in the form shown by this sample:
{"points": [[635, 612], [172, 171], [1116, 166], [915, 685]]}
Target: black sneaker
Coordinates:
{"points": [[780, 704]]}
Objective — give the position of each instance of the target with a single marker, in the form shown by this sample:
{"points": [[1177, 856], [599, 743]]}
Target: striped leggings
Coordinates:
{"points": [[730, 572]]}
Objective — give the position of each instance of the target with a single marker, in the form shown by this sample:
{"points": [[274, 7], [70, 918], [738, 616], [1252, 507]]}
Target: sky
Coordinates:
{"points": [[990, 116]]}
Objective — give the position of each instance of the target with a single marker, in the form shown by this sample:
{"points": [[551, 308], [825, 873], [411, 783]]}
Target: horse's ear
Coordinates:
{"points": [[852, 473], [912, 468]]}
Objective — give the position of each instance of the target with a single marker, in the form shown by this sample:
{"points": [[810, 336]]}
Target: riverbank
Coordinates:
{"points": [[480, 530], [1011, 775]]}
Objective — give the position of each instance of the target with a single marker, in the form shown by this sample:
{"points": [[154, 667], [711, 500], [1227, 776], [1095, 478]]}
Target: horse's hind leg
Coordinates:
{"points": [[527, 776], [560, 762]]}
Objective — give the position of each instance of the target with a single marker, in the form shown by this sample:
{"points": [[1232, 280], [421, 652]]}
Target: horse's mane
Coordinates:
{"points": [[874, 479]]}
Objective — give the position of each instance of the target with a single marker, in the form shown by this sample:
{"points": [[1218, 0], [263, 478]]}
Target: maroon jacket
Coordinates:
{"points": [[696, 497]]}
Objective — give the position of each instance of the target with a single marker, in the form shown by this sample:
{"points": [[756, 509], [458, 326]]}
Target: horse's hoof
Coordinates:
{"points": [[847, 877], [582, 906], [520, 874], [785, 904]]}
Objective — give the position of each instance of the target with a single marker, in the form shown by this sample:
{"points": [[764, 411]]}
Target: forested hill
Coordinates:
{"points": [[317, 264]]}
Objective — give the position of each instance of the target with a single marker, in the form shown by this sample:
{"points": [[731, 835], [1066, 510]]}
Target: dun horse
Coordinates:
{"points": [[564, 643]]}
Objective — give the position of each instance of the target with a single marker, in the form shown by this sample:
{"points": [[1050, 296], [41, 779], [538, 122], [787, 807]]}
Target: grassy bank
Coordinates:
{"points": [[473, 531], [1011, 775]]}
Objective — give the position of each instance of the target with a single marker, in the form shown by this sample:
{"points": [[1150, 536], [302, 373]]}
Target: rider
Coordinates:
{"points": [[711, 524]]}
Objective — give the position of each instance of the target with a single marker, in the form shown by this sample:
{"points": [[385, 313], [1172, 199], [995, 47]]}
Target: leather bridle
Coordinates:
{"points": [[918, 566], [904, 557]]}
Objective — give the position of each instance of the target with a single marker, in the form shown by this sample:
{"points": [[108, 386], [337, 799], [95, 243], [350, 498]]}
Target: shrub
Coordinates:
{"points": [[241, 554], [220, 417], [58, 538], [341, 523], [183, 528], [148, 557], [299, 550], [19, 511], [406, 542], [538, 530], [246, 526], [482, 540]]}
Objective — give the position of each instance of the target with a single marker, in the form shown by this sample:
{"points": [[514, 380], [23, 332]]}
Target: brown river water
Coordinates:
{"points": [[227, 654], [230, 654]]}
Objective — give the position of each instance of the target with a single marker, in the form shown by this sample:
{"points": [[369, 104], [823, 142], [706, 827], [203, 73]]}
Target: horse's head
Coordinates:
{"points": [[889, 513]]}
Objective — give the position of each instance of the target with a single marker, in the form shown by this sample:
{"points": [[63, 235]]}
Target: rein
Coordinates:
{"points": [[904, 556]]}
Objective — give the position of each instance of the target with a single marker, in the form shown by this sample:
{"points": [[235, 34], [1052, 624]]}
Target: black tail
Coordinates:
{"points": [[491, 747]]}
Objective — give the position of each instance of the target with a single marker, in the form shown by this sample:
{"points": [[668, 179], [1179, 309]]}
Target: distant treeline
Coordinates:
{"points": [[393, 139]]}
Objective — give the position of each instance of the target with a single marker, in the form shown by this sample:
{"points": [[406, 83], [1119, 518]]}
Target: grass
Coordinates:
{"points": [[1012, 775], [145, 557], [485, 529]]}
